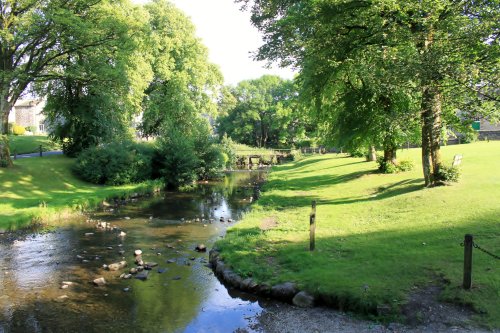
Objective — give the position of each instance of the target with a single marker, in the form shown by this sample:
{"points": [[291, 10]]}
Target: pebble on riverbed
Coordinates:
{"points": [[99, 281], [201, 248]]}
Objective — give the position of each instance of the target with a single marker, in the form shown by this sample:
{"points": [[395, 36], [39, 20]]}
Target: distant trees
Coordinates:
{"points": [[441, 55], [262, 112]]}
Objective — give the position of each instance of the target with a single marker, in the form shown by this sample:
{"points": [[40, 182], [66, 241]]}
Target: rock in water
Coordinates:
{"points": [[116, 266], [137, 252], [122, 234], [303, 300], [133, 271], [142, 275], [201, 248], [99, 281]]}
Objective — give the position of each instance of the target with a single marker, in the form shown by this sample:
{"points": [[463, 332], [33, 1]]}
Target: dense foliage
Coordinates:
{"points": [[264, 113], [116, 163], [435, 57]]}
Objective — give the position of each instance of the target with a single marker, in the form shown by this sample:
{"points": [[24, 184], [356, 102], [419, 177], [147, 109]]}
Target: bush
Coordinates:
{"points": [[115, 163], [31, 129], [18, 130], [448, 174], [405, 165], [176, 160], [10, 129], [388, 167], [229, 150]]}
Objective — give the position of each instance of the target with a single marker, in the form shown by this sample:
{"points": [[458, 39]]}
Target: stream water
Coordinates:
{"points": [[181, 294]]}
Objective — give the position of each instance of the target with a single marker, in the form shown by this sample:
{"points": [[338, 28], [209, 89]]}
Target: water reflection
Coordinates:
{"points": [[180, 295]]}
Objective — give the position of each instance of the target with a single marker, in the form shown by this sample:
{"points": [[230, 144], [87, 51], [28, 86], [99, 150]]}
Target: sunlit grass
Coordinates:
{"points": [[378, 236], [25, 144], [40, 188]]}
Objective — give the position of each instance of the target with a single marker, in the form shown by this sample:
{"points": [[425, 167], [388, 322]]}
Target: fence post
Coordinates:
{"points": [[467, 262], [312, 227], [41, 150]]}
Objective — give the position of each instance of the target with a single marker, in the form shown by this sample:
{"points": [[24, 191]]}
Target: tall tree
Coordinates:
{"points": [[442, 47], [262, 112], [100, 89], [185, 84], [31, 38]]}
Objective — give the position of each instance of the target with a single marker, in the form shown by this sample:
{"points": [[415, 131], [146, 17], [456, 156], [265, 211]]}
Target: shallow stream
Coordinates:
{"points": [[181, 294]]}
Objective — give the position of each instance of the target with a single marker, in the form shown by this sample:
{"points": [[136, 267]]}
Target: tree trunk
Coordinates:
{"points": [[372, 154], [5, 160], [390, 154], [431, 132]]}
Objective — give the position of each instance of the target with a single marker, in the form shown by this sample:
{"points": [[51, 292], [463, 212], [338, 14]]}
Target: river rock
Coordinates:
{"points": [[151, 264], [99, 281], [201, 248], [248, 284], [127, 276], [162, 270], [142, 275], [116, 266], [139, 261], [285, 291], [64, 286], [89, 234], [122, 234], [171, 261], [133, 271], [137, 252], [303, 300], [140, 268], [232, 278]]}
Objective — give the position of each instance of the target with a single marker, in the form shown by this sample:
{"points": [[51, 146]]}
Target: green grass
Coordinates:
{"points": [[244, 150], [41, 189], [24, 144], [378, 236]]}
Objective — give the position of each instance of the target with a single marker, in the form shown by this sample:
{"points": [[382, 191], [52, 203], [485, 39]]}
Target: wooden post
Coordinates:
{"points": [[40, 150], [312, 227], [467, 261]]}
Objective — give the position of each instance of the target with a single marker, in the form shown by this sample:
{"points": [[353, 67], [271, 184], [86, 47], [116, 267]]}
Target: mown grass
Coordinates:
{"points": [[26, 144], [244, 150], [40, 189], [378, 237]]}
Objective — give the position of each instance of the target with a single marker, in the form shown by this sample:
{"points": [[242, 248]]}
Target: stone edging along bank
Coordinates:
{"points": [[286, 292], [289, 292]]}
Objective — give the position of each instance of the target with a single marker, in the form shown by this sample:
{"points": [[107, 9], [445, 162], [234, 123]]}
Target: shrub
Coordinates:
{"points": [[115, 163], [389, 167], [448, 174], [176, 160], [229, 149], [10, 128], [31, 129], [405, 165], [18, 130]]}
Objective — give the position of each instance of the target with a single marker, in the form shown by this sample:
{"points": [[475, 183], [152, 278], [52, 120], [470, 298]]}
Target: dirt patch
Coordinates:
{"points": [[269, 223], [424, 308]]}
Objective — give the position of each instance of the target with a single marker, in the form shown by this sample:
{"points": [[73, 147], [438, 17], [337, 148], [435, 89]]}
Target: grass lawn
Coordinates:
{"points": [[41, 188], [378, 237], [25, 144]]}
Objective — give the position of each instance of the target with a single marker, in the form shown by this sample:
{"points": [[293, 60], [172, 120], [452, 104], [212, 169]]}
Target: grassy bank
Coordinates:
{"points": [[41, 189], [25, 144], [378, 237]]}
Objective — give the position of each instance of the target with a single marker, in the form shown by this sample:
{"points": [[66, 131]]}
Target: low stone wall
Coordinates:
{"points": [[286, 292], [489, 135]]}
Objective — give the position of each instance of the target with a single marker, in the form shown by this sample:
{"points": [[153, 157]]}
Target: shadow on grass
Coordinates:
{"points": [[358, 272]]}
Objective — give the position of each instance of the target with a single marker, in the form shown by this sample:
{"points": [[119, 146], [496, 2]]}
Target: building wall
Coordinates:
{"points": [[29, 113]]}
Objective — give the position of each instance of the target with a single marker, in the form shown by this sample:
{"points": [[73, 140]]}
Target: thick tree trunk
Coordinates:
{"points": [[372, 154], [390, 154], [5, 106], [431, 132]]}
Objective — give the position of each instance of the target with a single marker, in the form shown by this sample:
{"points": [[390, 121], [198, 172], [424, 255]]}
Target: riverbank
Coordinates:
{"points": [[44, 190], [382, 241]]}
